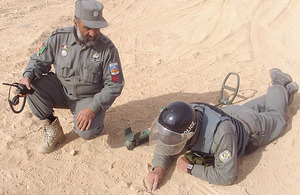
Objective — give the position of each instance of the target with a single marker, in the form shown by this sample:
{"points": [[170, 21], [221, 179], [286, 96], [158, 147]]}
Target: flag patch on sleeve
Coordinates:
{"points": [[41, 49]]}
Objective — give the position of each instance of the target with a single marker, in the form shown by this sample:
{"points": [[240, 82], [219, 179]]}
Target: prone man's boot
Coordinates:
{"points": [[280, 78], [52, 135], [292, 88]]}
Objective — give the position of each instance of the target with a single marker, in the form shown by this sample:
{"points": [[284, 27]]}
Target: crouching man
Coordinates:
{"points": [[87, 79]]}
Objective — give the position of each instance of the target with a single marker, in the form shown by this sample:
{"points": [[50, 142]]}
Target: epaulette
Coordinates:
{"points": [[107, 41], [63, 30]]}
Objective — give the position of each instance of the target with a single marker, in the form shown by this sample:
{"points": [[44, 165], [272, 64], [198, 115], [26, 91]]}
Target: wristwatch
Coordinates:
{"points": [[190, 168]]}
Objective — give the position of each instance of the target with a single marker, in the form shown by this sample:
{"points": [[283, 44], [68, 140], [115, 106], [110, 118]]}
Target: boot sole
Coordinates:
{"points": [[292, 92]]}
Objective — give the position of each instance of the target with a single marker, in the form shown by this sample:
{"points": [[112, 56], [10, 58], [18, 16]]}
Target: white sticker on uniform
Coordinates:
{"points": [[225, 156], [64, 53]]}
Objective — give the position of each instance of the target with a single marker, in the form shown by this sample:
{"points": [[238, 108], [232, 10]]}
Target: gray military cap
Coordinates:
{"points": [[90, 13]]}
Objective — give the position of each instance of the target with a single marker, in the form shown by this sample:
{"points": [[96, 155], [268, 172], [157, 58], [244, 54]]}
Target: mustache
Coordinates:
{"points": [[89, 36], [94, 38]]}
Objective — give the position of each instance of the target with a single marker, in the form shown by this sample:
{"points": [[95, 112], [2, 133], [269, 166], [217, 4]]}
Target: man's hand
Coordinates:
{"points": [[154, 178], [182, 164], [25, 81], [85, 118]]}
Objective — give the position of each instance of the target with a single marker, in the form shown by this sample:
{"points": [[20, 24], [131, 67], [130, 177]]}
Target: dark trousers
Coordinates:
{"points": [[49, 94]]}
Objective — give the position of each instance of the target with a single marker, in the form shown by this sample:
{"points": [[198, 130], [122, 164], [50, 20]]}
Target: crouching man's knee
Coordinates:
{"points": [[89, 134], [95, 128]]}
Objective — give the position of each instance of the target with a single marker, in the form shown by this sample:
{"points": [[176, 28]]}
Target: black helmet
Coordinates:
{"points": [[175, 125], [178, 117]]}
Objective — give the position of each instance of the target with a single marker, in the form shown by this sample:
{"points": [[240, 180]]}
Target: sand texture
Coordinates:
{"points": [[169, 50]]}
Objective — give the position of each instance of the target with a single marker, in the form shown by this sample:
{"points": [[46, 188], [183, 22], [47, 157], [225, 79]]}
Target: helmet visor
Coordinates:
{"points": [[167, 142]]}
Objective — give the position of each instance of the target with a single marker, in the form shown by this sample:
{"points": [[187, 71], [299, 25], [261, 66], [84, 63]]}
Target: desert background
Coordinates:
{"points": [[170, 50]]}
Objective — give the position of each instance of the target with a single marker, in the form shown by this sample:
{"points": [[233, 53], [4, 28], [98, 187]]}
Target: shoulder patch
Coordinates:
{"points": [[225, 156], [114, 71]]}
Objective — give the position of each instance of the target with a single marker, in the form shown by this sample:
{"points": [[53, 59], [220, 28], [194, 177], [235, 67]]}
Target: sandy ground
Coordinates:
{"points": [[170, 50]]}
